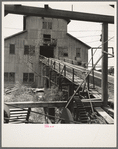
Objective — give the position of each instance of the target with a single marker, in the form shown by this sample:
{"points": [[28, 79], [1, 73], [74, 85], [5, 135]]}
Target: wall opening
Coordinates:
{"points": [[47, 51]]}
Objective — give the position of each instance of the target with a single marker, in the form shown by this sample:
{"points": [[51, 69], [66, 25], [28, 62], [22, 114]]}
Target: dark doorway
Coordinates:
{"points": [[47, 51]]}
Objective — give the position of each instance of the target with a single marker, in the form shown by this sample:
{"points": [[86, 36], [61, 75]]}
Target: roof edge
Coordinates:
{"points": [[15, 34], [78, 40]]}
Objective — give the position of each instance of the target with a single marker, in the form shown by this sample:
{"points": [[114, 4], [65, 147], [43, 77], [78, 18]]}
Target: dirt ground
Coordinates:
{"points": [[21, 94]]}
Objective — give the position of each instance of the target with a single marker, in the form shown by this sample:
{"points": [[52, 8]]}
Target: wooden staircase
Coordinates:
{"points": [[17, 115]]}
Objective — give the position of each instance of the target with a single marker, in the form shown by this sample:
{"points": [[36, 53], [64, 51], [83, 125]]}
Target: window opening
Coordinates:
{"points": [[12, 49], [26, 49], [28, 77], [47, 25], [78, 52], [9, 77]]}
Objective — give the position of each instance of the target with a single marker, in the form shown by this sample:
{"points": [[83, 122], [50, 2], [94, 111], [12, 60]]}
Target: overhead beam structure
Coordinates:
{"points": [[54, 13]]}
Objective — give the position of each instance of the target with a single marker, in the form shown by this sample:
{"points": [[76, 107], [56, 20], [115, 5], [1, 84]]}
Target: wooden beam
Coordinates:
{"points": [[92, 100], [49, 104], [92, 66], [54, 13], [105, 64], [36, 104], [108, 119], [110, 110]]}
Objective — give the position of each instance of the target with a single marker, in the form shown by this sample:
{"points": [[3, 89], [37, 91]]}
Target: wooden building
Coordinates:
{"points": [[40, 36]]}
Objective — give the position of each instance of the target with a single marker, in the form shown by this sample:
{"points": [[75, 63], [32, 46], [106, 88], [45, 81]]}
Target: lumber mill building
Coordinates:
{"points": [[40, 36]]}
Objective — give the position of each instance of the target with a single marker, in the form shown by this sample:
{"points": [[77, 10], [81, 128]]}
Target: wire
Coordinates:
{"points": [[93, 41], [30, 67], [86, 31], [13, 28], [87, 36], [98, 47], [41, 38], [59, 30], [69, 100]]}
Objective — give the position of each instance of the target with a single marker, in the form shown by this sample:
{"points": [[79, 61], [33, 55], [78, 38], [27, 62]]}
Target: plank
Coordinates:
{"points": [[92, 100], [18, 112], [95, 93], [104, 115], [109, 109], [18, 115], [36, 104], [50, 104]]}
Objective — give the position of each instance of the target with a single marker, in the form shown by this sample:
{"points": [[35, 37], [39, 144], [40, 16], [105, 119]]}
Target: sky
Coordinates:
{"points": [[88, 32]]}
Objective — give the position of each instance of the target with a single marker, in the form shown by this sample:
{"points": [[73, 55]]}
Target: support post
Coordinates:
{"points": [[105, 64], [47, 80], [54, 65], [51, 111], [48, 61], [93, 69], [28, 114], [73, 75], [59, 67], [43, 73], [71, 91], [64, 70], [88, 81], [60, 85], [50, 78]]}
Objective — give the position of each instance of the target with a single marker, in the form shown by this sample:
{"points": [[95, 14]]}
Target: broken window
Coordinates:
{"points": [[32, 50], [26, 49], [65, 54], [78, 52], [12, 49], [25, 77], [31, 77], [29, 50], [46, 39], [44, 25], [47, 25], [63, 51], [28, 77], [6, 77], [9, 77]]}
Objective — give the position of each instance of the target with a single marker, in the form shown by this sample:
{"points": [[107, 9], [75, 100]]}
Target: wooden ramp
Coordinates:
{"points": [[75, 74], [108, 118]]}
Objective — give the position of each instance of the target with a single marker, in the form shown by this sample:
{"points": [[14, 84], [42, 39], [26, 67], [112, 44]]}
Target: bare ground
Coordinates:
{"points": [[22, 94]]}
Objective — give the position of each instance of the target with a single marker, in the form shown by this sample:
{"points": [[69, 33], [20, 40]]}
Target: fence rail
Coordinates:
{"points": [[74, 73]]}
